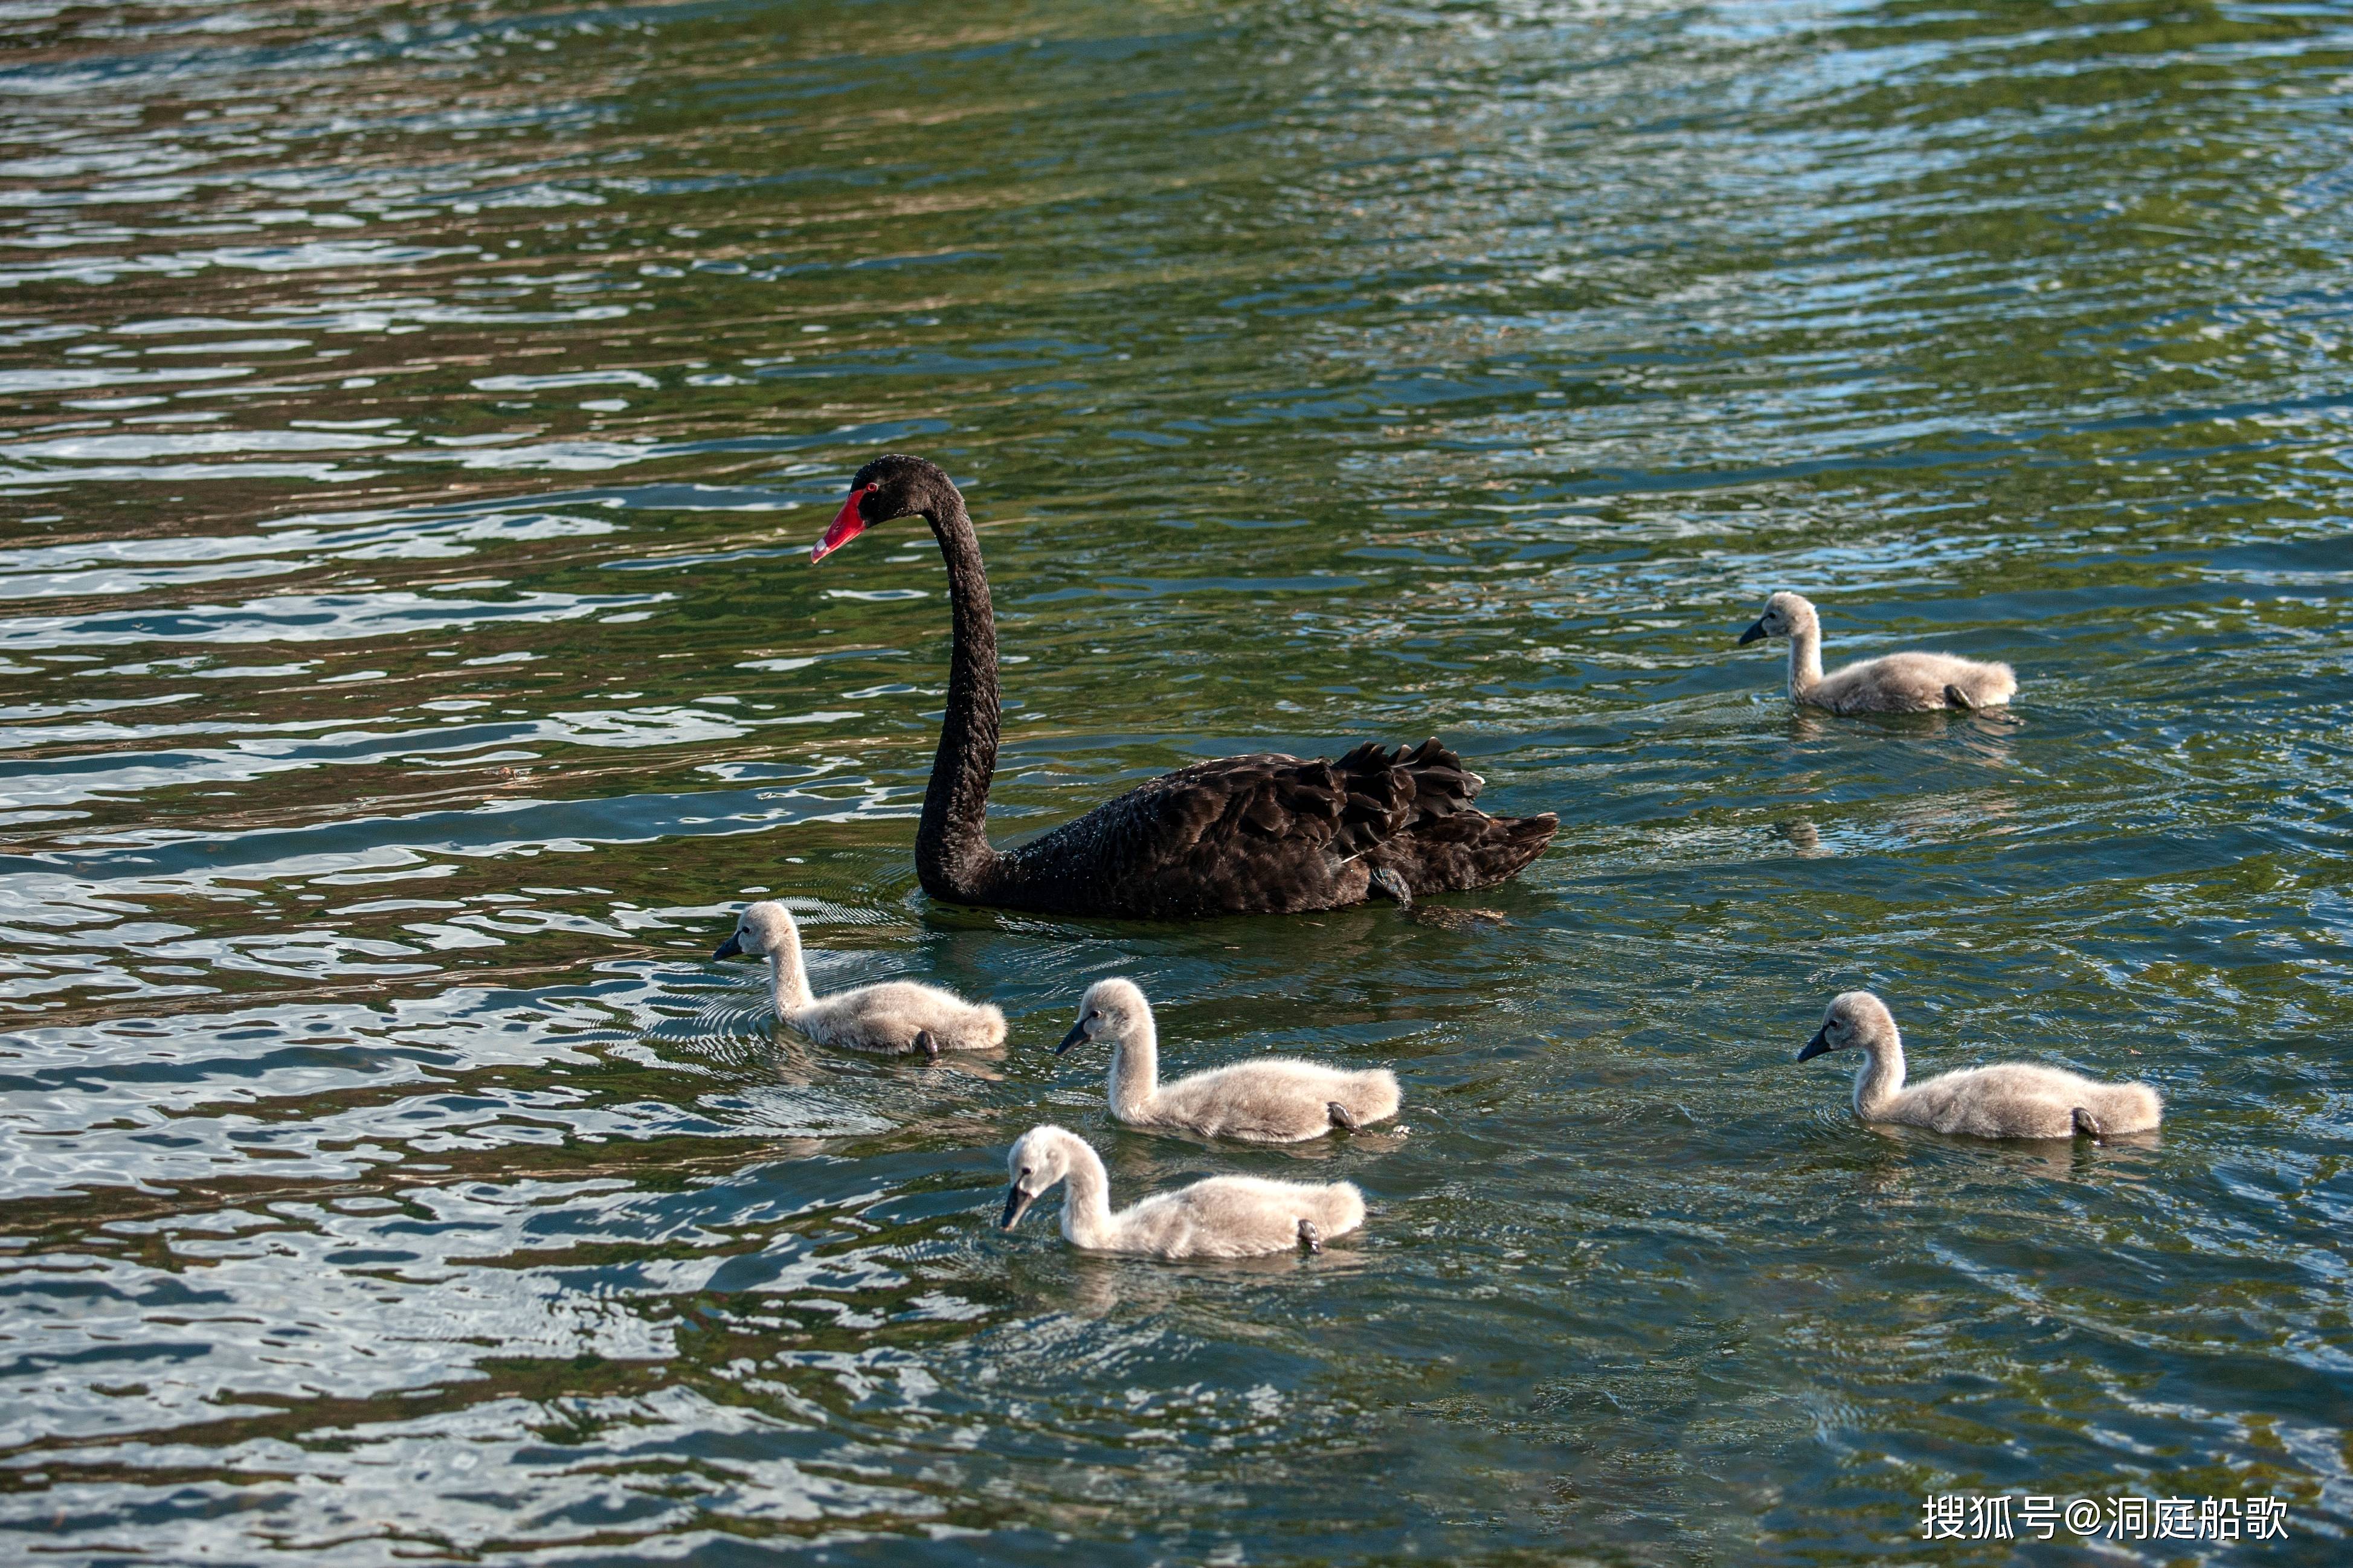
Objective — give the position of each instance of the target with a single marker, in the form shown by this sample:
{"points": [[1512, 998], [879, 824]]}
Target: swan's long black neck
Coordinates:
{"points": [[952, 856]]}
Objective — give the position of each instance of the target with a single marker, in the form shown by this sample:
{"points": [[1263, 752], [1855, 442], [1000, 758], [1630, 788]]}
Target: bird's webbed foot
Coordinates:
{"points": [[1385, 881], [929, 1046], [2088, 1125], [1342, 1117], [1957, 698], [1309, 1236]]}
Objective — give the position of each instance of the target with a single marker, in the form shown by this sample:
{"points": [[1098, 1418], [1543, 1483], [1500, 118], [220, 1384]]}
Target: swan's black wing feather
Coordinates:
{"points": [[1276, 834]]}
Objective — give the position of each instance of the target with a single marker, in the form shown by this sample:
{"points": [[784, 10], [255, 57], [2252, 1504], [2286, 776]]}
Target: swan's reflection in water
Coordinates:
{"points": [[1990, 729], [1800, 834], [1937, 820], [1098, 1284], [1903, 1156], [1989, 736]]}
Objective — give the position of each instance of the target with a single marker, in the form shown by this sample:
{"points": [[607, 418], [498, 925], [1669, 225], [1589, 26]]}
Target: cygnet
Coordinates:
{"points": [[1270, 1100], [896, 1017], [1221, 1216], [1896, 683], [2011, 1100]]}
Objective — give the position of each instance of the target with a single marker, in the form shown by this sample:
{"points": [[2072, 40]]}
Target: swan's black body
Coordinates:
{"points": [[1254, 835]]}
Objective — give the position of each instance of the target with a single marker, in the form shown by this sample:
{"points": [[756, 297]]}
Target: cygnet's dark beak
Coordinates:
{"points": [[1817, 1046], [1017, 1203], [1077, 1036], [731, 947], [1754, 634]]}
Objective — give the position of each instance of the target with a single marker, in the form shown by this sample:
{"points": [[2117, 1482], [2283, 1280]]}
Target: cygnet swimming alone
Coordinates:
{"points": [[2011, 1100], [1895, 683], [1275, 1099], [1222, 1216], [897, 1015]]}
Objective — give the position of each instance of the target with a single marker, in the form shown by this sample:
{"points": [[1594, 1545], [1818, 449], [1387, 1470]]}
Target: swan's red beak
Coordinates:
{"points": [[847, 524]]}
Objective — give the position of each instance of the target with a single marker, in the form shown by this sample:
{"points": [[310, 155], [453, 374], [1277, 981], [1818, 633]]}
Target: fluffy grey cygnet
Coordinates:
{"points": [[2011, 1100], [895, 1017], [1222, 1216], [1276, 1100], [1897, 683]]}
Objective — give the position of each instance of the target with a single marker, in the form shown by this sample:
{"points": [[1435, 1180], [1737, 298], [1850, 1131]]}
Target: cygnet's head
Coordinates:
{"points": [[1784, 615], [1856, 1020], [1041, 1157], [760, 929], [1111, 1009]]}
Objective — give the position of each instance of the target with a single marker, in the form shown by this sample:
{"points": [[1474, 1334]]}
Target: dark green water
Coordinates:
{"points": [[416, 420]]}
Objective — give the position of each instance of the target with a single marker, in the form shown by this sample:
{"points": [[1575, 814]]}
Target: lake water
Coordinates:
{"points": [[417, 419]]}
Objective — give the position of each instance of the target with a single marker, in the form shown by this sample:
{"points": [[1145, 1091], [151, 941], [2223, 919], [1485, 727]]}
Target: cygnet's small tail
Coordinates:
{"points": [[2142, 1109], [1368, 1097], [1339, 1208], [2110, 1109]]}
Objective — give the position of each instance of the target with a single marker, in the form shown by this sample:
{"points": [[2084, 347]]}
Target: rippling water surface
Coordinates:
{"points": [[413, 422]]}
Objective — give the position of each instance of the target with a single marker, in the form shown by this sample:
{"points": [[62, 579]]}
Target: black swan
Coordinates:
{"points": [[1256, 835]]}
